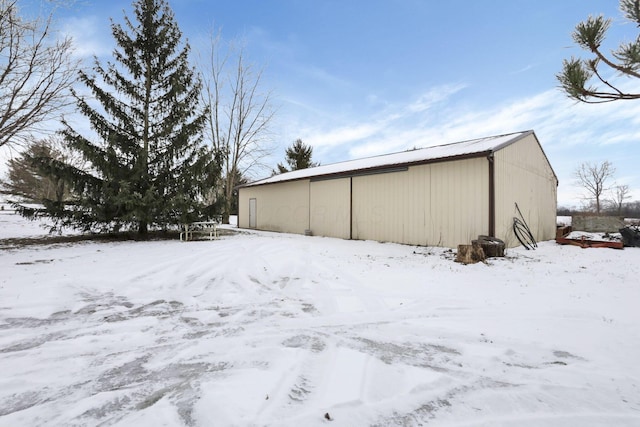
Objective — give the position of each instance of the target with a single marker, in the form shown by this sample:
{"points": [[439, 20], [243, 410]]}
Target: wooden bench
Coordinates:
{"points": [[208, 229]]}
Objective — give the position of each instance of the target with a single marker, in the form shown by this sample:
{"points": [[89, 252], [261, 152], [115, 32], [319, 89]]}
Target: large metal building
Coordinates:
{"points": [[438, 196]]}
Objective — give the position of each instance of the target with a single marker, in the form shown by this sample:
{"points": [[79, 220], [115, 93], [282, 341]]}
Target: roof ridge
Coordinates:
{"points": [[406, 157]]}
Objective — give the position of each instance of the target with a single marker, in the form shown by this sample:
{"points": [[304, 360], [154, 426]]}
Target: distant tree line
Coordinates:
{"points": [[628, 210]]}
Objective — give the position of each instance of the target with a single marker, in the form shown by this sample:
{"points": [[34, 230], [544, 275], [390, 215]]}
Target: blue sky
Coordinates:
{"points": [[361, 78]]}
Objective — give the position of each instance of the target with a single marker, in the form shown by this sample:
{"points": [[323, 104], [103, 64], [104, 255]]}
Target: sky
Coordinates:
{"points": [[355, 79]]}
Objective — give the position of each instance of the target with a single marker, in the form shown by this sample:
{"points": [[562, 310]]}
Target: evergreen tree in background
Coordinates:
{"points": [[25, 183], [298, 156], [149, 166]]}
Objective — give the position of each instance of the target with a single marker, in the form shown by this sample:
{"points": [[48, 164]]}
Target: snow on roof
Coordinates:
{"points": [[464, 148]]}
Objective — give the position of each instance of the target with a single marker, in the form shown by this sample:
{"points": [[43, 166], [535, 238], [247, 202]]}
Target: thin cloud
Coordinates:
{"points": [[434, 97], [570, 133], [524, 69], [394, 127], [346, 135], [321, 75], [91, 36]]}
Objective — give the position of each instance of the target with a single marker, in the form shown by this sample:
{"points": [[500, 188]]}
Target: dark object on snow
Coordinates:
{"points": [[631, 236], [562, 237], [470, 254], [328, 417], [562, 231], [523, 232], [492, 246]]}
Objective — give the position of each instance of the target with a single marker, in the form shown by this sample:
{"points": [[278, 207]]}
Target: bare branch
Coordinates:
{"points": [[36, 71], [620, 194], [625, 61], [240, 114], [594, 179]]}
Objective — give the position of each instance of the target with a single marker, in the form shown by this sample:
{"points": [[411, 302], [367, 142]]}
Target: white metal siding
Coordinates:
{"points": [[459, 209], [253, 209], [380, 207], [330, 213], [436, 204], [440, 204], [280, 207], [523, 176]]}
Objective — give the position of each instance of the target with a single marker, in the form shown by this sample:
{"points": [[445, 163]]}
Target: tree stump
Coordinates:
{"points": [[470, 254], [492, 246]]}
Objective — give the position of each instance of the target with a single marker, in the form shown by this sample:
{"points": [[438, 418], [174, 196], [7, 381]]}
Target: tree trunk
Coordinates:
{"points": [[228, 195], [142, 228], [226, 209], [470, 254]]}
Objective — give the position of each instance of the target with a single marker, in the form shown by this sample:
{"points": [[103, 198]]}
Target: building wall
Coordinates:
{"points": [[459, 201], [383, 209], [523, 176], [330, 213], [281, 207], [438, 204]]}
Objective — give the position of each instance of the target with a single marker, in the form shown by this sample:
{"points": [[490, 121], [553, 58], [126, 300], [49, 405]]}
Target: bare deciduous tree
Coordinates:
{"points": [[620, 194], [239, 115], [36, 71], [594, 179]]}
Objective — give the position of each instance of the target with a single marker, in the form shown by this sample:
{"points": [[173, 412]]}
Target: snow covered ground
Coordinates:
{"points": [[265, 329]]}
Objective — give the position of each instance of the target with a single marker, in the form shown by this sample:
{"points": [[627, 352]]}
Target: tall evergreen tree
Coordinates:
{"points": [[149, 166], [298, 156]]}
